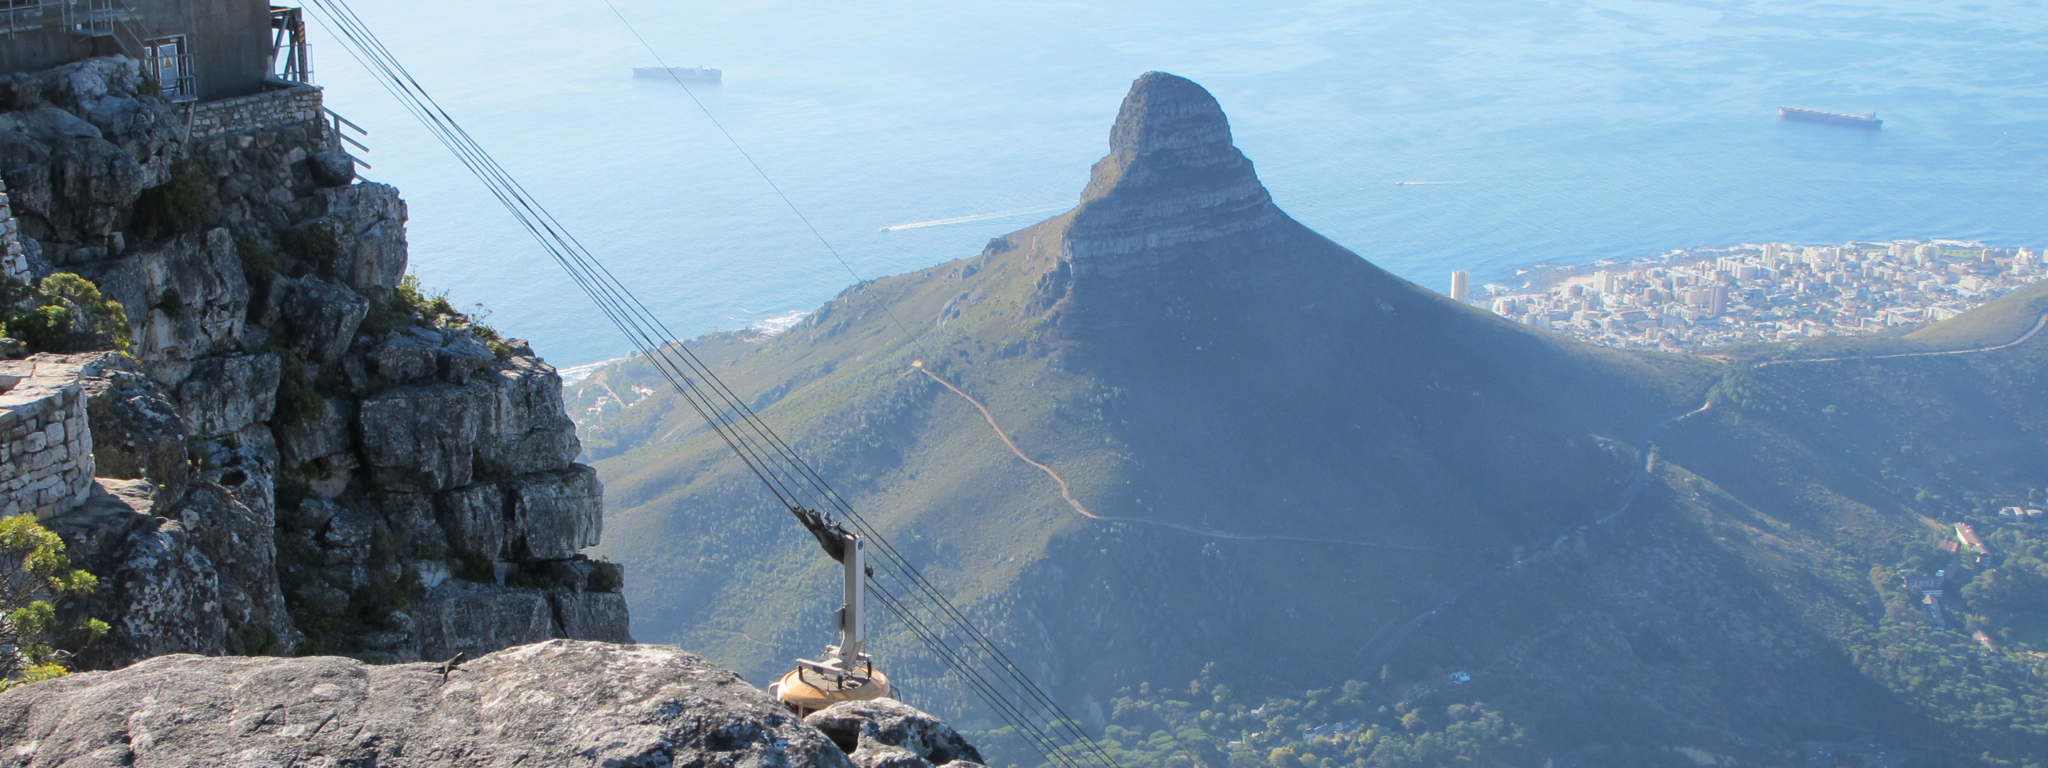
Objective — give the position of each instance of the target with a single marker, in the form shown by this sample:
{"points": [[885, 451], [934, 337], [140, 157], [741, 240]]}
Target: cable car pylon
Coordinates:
{"points": [[847, 672]]}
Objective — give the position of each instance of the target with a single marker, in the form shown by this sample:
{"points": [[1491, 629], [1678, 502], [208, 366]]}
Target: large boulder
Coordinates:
{"points": [[223, 395], [591, 615], [886, 733], [465, 617], [368, 223], [558, 703], [529, 518], [187, 298], [136, 430], [442, 436], [319, 317]]}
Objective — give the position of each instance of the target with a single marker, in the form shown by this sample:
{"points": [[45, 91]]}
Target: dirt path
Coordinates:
{"points": [[2024, 338], [1067, 493]]}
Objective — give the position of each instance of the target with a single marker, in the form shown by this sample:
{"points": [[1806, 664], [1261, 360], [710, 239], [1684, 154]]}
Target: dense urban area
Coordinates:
{"points": [[1688, 300]]}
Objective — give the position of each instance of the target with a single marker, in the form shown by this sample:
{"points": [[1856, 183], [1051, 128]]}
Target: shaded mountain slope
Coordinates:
{"points": [[1180, 351], [1285, 461]]}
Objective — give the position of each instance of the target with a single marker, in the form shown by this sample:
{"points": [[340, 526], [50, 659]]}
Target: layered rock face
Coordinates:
{"points": [[555, 703], [300, 453], [1173, 178]]}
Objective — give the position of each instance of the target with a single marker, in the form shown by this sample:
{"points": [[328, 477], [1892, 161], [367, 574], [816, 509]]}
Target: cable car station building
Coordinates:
{"points": [[196, 50]]}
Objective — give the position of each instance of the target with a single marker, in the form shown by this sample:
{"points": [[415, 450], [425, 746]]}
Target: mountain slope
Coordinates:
{"points": [[1281, 459]]}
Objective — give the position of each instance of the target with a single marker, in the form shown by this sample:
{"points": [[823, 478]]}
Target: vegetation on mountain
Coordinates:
{"points": [[1207, 724], [34, 572]]}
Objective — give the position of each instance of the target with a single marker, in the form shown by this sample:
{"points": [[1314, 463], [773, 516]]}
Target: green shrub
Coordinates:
{"points": [[609, 577], [64, 313], [259, 265], [313, 242], [171, 303], [297, 399], [32, 566], [186, 202], [477, 568], [410, 304]]}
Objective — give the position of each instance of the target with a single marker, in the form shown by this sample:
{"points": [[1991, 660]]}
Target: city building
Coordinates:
{"points": [[1967, 536], [1461, 285], [1690, 300]]}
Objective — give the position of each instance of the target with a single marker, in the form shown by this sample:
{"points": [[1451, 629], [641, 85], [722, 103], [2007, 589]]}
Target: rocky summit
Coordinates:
{"points": [[1173, 181], [300, 450], [557, 703]]}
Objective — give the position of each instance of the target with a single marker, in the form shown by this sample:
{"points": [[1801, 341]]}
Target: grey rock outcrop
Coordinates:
{"points": [[301, 452], [224, 395], [139, 432], [558, 703], [1173, 180], [886, 733]]}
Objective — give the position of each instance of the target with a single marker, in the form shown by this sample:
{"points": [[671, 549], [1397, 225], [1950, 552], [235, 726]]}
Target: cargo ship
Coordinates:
{"points": [[1869, 121], [688, 75]]}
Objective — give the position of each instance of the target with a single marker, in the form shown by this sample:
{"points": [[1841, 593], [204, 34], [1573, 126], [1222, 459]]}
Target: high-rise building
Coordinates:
{"points": [[1772, 251], [1717, 300], [1461, 286], [1609, 282]]}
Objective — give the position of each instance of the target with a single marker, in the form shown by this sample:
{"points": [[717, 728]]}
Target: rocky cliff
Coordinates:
{"points": [[558, 703], [300, 451]]}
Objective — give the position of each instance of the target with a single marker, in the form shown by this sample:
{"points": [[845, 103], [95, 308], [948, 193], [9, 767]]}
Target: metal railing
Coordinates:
{"points": [[18, 16], [290, 57], [337, 122]]}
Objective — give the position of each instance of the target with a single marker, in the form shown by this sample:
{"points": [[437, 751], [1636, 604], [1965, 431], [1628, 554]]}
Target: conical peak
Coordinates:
{"points": [[1166, 112], [1172, 178], [1169, 126]]}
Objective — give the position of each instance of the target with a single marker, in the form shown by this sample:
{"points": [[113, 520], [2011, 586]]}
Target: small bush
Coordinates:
{"points": [[32, 566], [477, 568], [314, 242], [410, 304], [259, 265], [609, 577], [186, 202], [171, 303], [296, 397], [64, 313]]}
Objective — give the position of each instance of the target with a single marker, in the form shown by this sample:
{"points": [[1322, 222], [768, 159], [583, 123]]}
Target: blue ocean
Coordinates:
{"points": [[1555, 132]]}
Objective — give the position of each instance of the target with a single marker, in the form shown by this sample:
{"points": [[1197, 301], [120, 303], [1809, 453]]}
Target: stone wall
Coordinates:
{"points": [[13, 259], [46, 463], [268, 110]]}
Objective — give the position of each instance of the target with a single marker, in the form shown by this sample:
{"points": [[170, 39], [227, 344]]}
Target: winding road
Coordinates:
{"points": [[2024, 338]]}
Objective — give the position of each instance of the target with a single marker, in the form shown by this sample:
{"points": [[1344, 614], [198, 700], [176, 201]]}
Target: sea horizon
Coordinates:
{"points": [[1482, 136]]}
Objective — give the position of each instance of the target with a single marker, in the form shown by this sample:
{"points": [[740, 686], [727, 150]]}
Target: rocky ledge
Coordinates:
{"points": [[557, 703], [301, 451]]}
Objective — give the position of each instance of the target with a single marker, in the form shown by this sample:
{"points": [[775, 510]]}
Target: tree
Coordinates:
{"points": [[33, 571]]}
